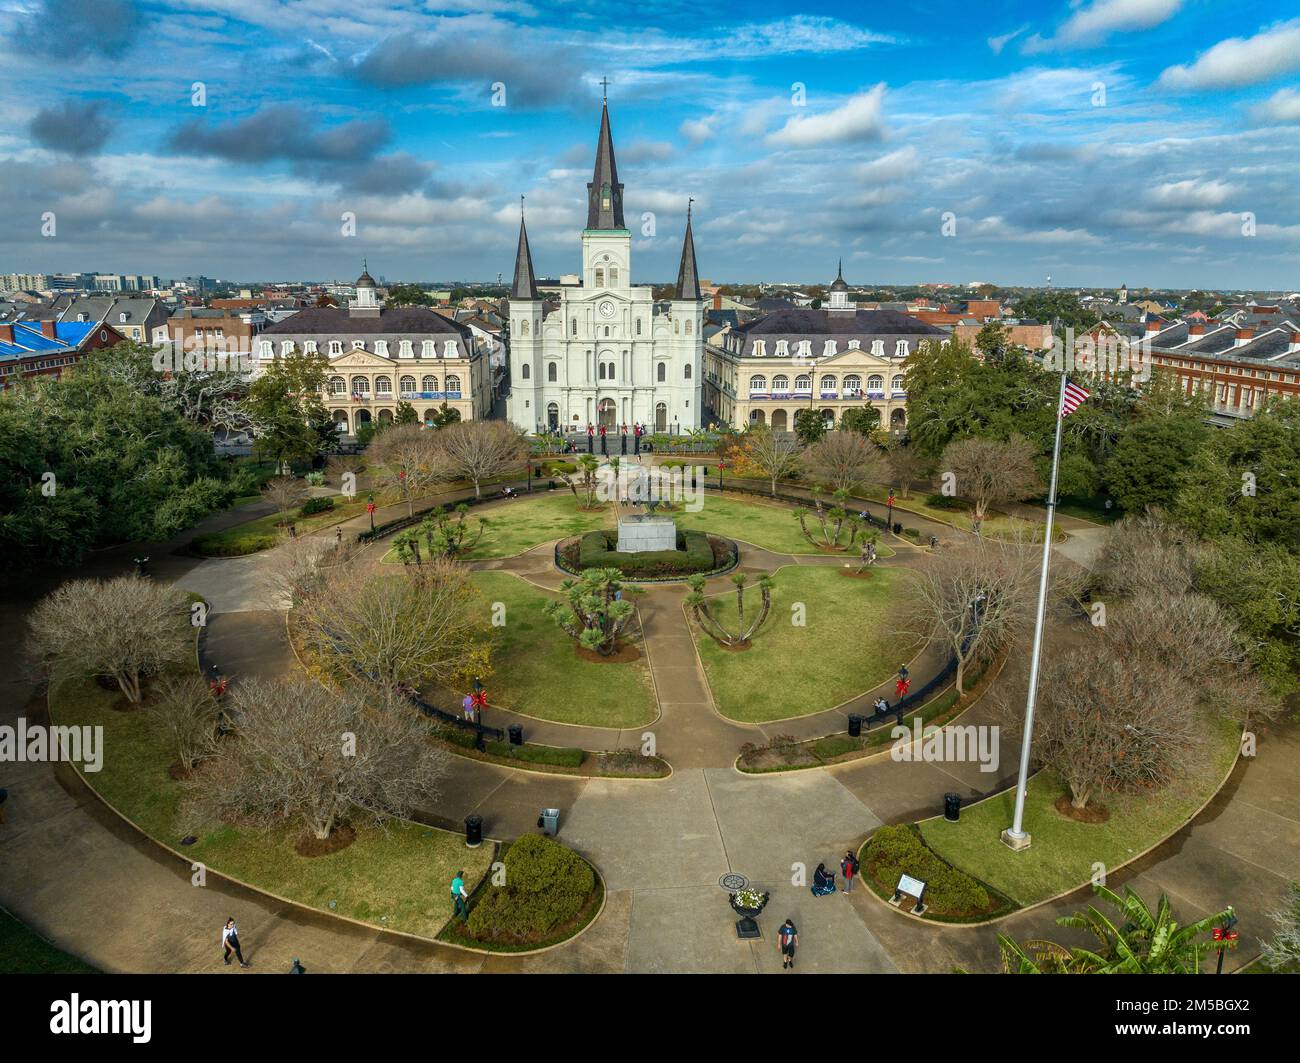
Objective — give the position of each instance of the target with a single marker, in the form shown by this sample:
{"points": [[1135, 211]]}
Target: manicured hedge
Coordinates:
{"points": [[546, 886], [694, 553], [898, 849]]}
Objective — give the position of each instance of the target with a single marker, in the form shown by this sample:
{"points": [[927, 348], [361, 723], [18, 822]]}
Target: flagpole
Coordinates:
{"points": [[1015, 836]]}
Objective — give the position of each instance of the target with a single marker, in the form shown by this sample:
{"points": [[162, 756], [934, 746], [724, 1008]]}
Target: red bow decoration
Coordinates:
{"points": [[479, 699]]}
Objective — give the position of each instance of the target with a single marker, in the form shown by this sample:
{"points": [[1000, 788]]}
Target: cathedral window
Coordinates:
{"points": [[600, 276], [552, 373], [688, 370], [523, 371], [607, 331], [638, 326], [613, 276], [688, 328], [573, 326], [523, 327], [661, 372]]}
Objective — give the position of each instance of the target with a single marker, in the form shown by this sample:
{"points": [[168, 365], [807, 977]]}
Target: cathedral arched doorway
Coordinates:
{"points": [[552, 416], [606, 412], [661, 417]]}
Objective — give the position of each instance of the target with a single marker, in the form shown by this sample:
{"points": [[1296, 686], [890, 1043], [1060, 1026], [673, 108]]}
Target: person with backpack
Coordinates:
{"points": [[788, 938], [849, 865]]}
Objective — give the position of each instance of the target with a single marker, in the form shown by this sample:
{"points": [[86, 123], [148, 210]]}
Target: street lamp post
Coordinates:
{"points": [[370, 508], [889, 512], [1226, 936]]}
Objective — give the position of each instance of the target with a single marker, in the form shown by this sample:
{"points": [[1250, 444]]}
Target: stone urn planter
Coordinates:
{"points": [[748, 904]]}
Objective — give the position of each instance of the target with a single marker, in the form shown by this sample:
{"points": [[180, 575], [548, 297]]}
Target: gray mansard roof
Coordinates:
{"points": [[800, 321], [336, 321]]}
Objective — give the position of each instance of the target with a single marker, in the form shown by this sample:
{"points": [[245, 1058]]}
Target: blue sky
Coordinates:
{"points": [[1098, 142]]}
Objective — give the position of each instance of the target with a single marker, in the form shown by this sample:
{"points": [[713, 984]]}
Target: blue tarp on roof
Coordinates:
{"points": [[28, 340]]}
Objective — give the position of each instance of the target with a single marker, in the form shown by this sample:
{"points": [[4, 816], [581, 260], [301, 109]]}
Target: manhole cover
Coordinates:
{"points": [[733, 881]]}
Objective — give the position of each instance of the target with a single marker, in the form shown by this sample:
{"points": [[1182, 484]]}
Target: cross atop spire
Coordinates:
{"points": [[604, 89], [524, 285], [605, 193]]}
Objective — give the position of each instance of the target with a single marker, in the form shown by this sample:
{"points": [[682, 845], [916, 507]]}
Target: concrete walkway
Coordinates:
{"points": [[93, 886]]}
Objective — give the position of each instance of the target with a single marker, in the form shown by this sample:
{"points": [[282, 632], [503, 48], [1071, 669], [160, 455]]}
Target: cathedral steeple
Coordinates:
{"points": [[604, 193], [688, 274], [525, 283]]}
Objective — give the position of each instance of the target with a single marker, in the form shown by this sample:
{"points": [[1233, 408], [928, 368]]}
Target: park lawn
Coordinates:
{"points": [[1064, 854], [23, 951], [769, 525], [262, 533], [996, 525], [397, 878], [538, 671], [1088, 507], [847, 646], [514, 527]]}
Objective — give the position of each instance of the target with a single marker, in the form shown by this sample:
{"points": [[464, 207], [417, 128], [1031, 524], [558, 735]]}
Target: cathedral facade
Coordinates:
{"points": [[608, 354]]}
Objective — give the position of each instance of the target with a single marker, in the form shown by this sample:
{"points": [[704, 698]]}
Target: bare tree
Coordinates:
{"points": [[1144, 555], [990, 472], [127, 627], [479, 450], [974, 599], [421, 624], [846, 461], [777, 455], [183, 713], [410, 462], [304, 754], [297, 568], [906, 466], [285, 493]]}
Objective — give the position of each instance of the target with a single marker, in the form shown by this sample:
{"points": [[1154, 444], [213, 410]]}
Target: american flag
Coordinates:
{"points": [[1074, 396]]}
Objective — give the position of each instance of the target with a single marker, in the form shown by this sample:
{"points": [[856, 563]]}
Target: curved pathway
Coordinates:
{"points": [[661, 845]]}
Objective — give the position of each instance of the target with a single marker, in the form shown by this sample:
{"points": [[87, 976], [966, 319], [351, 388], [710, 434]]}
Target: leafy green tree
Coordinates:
{"points": [[809, 426], [284, 404], [1147, 466], [406, 413], [598, 610], [1136, 940], [861, 419], [407, 295], [1062, 310]]}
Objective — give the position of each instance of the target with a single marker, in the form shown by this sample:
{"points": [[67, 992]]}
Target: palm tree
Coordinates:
{"points": [[598, 609], [699, 606], [1143, 942]]}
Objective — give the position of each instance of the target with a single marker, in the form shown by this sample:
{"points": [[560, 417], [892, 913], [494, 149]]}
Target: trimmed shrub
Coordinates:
{"points": [[546, 887], [696, 552], [316, 478], [316, 505], [898, 849]]}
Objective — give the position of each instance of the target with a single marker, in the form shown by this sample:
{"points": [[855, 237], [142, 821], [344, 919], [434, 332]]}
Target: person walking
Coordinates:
{"points": [[459, 898], [230, 943], [788, 939], [849, 865]]}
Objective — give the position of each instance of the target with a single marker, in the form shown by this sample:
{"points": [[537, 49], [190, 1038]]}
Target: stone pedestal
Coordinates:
{"points": [[640, 534], [1015, 843]]}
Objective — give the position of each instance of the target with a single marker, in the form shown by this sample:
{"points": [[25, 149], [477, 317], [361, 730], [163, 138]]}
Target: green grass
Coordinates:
{"points": [[398, 878], [514, 527], [847, 646], [1090, 508], [23, 951], [262, 533], [996, 525], [770, 525], [1063, 853], [539, 673]]}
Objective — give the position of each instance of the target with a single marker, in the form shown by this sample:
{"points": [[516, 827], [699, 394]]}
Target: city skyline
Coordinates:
{"points": [[1138, 141]]}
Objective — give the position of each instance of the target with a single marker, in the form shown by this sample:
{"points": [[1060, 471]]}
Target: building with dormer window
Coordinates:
{"points": [[834, 359], [379, 356]]}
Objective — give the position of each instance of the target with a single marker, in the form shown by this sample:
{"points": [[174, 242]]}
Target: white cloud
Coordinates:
{"points": [[697, 130], [1094, 23], [996, 44], [858, 119], [1282, 107], [891, 167], [1192, 194], [1240, 60]]}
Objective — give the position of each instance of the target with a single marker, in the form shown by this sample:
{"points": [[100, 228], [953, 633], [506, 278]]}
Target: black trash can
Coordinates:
{"points": [[516, 732], [855, 725], [474, 831], [952, 807], [898, 527]]}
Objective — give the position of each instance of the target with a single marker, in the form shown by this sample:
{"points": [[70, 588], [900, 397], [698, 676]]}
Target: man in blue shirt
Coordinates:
{"points": [[460, 899]]}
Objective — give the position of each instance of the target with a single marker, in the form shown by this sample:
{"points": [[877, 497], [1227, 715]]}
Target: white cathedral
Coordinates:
{"points": [[607, 355]]}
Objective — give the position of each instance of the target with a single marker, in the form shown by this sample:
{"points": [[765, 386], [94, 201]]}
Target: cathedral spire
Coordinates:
{"points": [[604, 193], [525, 284], [688, 274]]}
